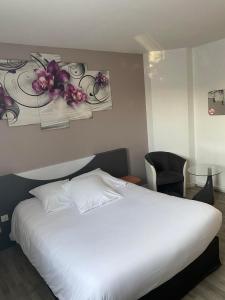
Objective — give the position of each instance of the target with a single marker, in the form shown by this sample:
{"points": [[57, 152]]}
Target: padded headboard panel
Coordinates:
{"points": [[15, 188]]}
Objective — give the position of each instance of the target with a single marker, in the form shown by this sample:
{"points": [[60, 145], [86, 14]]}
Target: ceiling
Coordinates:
{"points": [[112, 25]]}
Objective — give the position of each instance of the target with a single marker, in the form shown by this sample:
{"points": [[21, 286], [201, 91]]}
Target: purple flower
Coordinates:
{"points": [[52, 80], [63, 76], [53, 67], [74, 95], [44, 82], [101, 80], [6, 102], [56, 82], [70, 89]]}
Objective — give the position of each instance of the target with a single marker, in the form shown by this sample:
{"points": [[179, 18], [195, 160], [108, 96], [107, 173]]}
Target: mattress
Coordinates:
{"points": [[117, 252]]}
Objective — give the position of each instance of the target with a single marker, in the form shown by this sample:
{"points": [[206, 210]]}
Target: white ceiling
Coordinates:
{"points": [[112, 25]]}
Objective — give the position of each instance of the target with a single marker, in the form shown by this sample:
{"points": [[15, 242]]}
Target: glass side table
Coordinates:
{"points": [[206, 193]]}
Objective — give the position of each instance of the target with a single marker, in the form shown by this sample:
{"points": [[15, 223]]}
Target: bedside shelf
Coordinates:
{"points": [[132, 179]]}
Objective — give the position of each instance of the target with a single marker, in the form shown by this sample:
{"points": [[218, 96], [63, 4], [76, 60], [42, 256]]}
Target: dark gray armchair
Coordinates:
{"points": [[166, 173]]}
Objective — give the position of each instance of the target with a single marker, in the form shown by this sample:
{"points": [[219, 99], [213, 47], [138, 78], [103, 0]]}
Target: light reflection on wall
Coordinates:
{"points": [[154, 50], [154, 58]]}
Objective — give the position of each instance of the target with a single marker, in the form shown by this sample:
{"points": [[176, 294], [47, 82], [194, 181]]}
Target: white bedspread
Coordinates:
{"points": [[118, 252]]}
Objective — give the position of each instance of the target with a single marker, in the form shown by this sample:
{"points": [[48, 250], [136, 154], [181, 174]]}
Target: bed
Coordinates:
{"points": [[139, 246]]}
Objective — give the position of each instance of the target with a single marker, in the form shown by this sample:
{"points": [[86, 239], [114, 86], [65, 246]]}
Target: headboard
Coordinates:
{"points": [[15, 187]]}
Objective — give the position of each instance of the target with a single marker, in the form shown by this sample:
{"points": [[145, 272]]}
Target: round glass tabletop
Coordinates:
{"points": [[204, 170]]}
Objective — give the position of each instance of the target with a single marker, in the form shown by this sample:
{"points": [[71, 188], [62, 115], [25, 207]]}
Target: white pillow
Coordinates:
{"points": [[106, 177], [52, 195], [90, 192]]}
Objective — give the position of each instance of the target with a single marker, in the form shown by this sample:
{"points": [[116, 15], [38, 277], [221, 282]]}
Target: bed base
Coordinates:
{"points": [[187, 279]]}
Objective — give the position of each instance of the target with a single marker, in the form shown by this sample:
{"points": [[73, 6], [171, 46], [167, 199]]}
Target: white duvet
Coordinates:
{"points": [[117, 252]]}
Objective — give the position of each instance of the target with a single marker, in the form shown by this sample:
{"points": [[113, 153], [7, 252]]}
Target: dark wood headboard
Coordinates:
{"points": [[15, 188]]}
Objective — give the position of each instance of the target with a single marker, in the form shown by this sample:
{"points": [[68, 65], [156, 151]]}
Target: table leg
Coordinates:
{"points": [[206, 193]]}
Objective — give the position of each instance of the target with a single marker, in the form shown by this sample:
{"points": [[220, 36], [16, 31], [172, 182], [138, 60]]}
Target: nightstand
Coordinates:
{"points": [[132, 179], [4, 242]]}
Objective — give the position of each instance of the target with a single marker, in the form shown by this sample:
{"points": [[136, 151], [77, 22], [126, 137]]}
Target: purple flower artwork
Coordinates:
{"points": [[48, 91], [7, 106]]}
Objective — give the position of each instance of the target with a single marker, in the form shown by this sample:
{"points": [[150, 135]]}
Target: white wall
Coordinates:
{"points": [[169, 105], [177, 104], [209, 73]]}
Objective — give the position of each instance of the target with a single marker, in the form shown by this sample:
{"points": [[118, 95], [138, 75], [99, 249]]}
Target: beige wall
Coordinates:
{"points": [[28, 147]]}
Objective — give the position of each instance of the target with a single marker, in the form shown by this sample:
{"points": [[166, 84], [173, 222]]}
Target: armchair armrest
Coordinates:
{"points": [[185, 179], [151, 176]]}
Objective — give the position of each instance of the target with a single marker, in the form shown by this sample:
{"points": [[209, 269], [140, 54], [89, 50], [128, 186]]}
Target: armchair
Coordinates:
{"points": [[166, 173]]}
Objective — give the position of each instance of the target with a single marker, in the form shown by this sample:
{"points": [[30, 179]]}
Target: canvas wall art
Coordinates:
{"points": [[47, 91], [216, 102]]}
